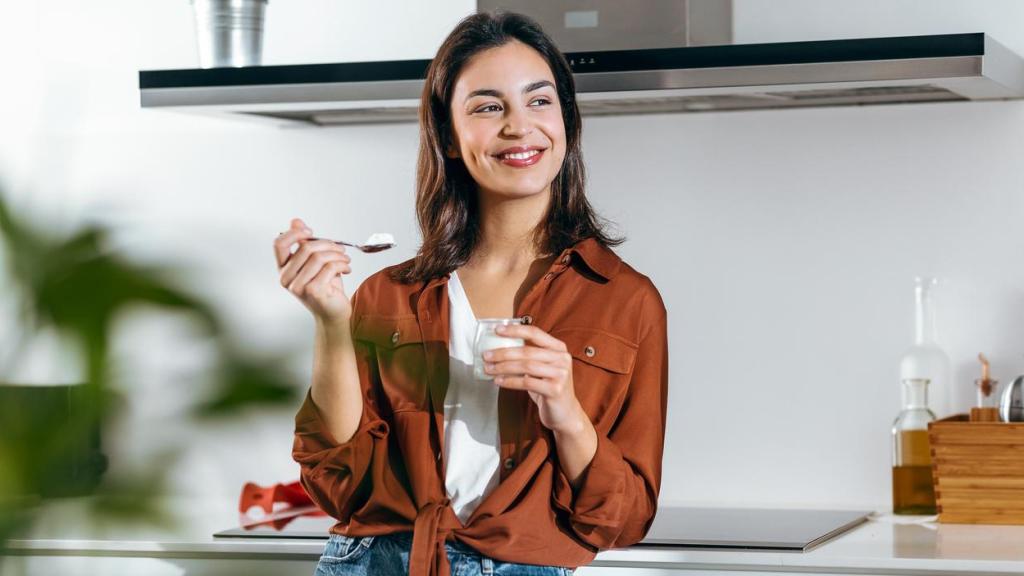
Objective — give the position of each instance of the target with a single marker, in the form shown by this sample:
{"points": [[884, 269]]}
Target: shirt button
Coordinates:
{"points": [[589, 351], [394, 337], [527, 319], [510, 463]]}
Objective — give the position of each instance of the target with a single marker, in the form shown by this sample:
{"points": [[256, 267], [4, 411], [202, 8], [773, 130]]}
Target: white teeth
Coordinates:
{"points": [[520, 155]]}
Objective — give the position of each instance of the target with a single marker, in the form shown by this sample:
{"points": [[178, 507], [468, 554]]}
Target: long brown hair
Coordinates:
{"points": [[446, 195]]}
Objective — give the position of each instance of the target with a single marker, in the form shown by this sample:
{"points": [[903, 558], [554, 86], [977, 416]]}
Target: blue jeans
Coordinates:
{"points": [[389, 556]]}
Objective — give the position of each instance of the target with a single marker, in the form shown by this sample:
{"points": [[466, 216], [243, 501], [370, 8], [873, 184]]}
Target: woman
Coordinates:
{"points": [[423, 466]]}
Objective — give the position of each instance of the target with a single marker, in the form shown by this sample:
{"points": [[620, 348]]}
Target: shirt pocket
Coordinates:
{"points": [[397, 345], [602, 367]]}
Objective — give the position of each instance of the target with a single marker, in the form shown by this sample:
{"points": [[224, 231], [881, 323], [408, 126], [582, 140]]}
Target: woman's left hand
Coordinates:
{"points": [[542, 367]]}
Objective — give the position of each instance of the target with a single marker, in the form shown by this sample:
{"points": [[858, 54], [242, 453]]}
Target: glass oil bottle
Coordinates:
{"points": [[912, 488]]}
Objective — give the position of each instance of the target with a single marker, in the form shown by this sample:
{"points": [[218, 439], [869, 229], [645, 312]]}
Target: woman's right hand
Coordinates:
{"points": [[313, 273]]}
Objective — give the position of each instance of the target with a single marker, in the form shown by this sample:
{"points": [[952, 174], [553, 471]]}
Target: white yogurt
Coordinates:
{"points": [[489, 341], [380, 238]]}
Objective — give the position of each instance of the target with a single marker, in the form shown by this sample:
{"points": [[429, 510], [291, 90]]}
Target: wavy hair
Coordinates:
{"points": [[446, 195]]}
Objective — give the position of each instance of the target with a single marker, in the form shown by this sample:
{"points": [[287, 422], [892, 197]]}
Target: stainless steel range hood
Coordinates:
{"points": [[656, 80]]}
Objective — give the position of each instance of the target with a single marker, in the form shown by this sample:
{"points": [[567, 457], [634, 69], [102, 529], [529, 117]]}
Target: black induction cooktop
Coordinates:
{"points": [[674, 527], [749, 528]]}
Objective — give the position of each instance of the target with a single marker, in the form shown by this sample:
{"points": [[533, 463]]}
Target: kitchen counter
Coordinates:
{"points": [[64, 542]]}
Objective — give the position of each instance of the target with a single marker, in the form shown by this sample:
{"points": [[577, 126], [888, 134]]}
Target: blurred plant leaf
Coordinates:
{"points": [[78, 286], [248, 382], [75, 283]]}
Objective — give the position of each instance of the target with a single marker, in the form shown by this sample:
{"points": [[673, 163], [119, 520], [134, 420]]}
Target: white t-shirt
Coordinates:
{"points": [[470, 414]]}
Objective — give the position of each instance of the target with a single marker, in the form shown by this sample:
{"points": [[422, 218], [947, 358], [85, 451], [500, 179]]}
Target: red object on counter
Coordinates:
{"points": [[293, 494]]}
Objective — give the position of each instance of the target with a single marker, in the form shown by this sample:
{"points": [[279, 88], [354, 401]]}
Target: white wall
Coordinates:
{"points": [[785, 242]]}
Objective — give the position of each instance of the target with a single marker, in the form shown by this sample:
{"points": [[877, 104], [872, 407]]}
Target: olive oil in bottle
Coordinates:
{"points": [[912, 488]]}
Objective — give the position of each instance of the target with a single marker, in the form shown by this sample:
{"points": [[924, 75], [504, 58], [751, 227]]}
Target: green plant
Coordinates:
{"points": [[76, 285]]}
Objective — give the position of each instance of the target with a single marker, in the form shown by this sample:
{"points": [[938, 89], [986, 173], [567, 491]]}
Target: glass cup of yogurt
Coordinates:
{"points": [[486, 339]]}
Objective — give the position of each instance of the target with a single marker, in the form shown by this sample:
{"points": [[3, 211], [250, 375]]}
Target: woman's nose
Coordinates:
{"points": [[517, 124]]}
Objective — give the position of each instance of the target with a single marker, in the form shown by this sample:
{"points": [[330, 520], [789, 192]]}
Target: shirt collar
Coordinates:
{"points": [[597, 257]]}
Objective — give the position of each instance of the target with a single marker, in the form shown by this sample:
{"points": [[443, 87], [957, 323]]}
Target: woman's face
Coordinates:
{"points": [[508, 121]]}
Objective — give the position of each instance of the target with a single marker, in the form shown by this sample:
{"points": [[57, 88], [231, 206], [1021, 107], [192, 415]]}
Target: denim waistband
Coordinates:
{"points": [[406, 539]]}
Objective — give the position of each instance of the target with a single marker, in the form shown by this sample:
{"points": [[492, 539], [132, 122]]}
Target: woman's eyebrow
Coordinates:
{"points": [[497, 93]]}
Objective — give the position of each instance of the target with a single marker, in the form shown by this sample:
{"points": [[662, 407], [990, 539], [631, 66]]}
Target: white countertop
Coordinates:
{"points": [[883, 545]]}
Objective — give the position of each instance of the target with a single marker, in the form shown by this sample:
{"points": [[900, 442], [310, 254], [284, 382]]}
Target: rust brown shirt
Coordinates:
{"points": [[389, 477]]}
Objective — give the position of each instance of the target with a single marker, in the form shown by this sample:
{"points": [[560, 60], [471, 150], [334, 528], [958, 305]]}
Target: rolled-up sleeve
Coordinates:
{"points": [[336, 474], [618, 495]]}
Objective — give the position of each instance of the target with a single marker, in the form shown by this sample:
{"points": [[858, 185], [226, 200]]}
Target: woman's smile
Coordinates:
{"points": [[520, 156]]}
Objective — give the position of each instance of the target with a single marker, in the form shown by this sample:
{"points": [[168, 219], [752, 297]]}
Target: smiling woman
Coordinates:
{"points": [[498, 85], [425, 465]]}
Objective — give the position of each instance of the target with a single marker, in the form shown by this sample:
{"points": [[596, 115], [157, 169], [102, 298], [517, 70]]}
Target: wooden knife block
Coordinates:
{"points": [[978, 470]]}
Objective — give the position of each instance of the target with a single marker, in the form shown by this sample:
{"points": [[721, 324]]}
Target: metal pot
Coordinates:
{"points": [[230, 32], [1011, 404]]}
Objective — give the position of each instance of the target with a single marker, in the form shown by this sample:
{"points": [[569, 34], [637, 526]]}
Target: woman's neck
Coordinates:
{"points": [[509, 232]]}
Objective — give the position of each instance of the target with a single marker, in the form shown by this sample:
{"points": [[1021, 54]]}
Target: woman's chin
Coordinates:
{"points": [[519, 194], [518, 189]]}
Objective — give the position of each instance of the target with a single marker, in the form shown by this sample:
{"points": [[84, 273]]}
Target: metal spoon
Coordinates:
{"points": [[366, 247]]}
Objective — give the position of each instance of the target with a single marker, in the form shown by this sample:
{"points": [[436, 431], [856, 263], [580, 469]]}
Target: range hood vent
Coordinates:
{"points": [[907, 69]]}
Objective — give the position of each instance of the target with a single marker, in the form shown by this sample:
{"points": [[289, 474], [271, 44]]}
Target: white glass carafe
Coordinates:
{"points": [[925, 359]]}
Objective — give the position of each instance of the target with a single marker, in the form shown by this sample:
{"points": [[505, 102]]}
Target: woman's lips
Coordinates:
{"points": [[530, 160]]}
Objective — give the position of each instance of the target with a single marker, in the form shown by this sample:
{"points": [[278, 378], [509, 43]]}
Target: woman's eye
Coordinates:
{"points": [[494, 107]]}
